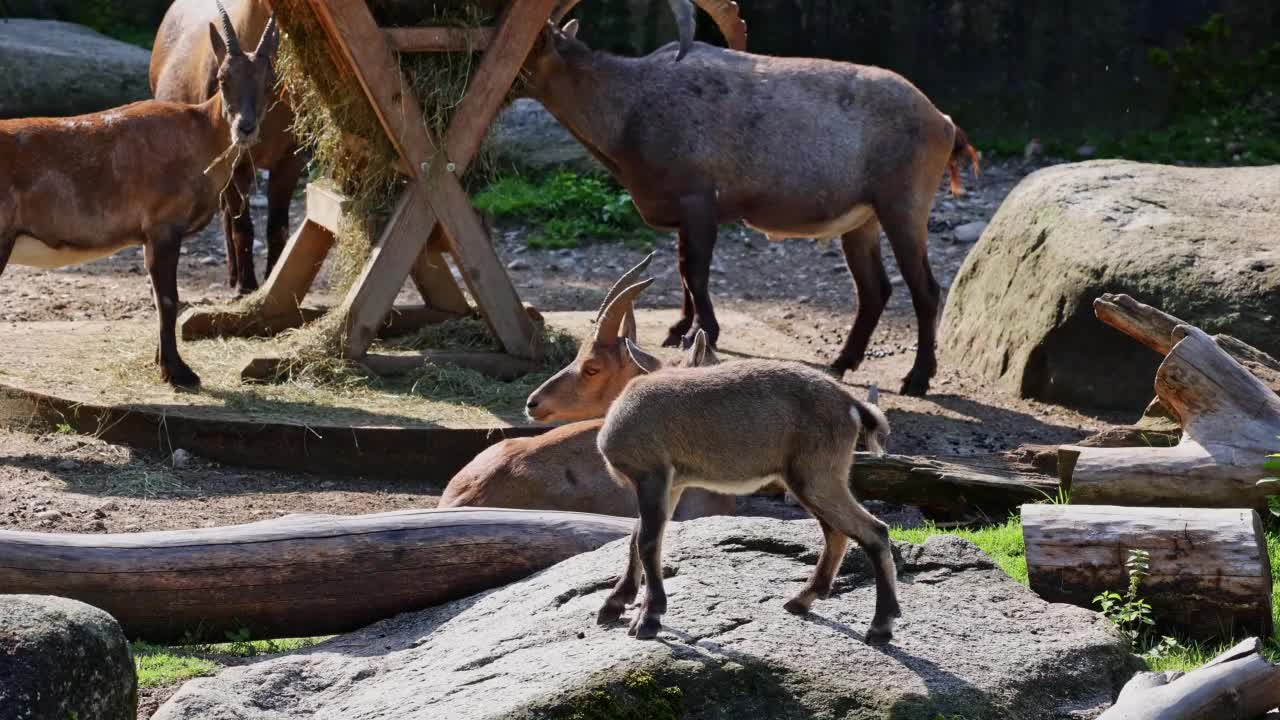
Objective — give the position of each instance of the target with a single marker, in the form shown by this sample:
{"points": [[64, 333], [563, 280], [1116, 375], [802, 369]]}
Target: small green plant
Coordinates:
{"points": [[1272, 464], [1128, 612], [63, 428], [240, 642], [566, 208]]}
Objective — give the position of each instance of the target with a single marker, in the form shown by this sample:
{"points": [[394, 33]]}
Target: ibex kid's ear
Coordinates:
{"points": [[570, 29], [219, 45], [641, 359], [699, 350]]}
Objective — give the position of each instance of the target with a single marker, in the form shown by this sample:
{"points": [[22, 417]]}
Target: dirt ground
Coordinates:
{"points": [[56, 482]]}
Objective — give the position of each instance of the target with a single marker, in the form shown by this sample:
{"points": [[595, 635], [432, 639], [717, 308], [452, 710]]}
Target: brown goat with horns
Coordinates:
{"points": [[79, 188], [794, 147]]}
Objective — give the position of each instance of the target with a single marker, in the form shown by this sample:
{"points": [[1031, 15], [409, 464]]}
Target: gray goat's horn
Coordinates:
{"points": [[628, 278], [229, 30], [684, 15]]}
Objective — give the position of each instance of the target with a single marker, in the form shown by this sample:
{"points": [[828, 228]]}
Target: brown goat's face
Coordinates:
{"points": [[585, 389], [547, 59], [245, 82]]}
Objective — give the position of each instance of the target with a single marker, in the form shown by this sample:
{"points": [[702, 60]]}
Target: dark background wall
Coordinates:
{"points": [[1016, 67], [997, 66]]}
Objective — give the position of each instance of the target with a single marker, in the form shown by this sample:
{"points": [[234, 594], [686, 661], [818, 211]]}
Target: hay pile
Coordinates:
{"points": [[348, 145]]}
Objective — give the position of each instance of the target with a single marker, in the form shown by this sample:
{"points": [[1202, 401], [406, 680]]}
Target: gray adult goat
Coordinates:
{"points": [[794, 147]]}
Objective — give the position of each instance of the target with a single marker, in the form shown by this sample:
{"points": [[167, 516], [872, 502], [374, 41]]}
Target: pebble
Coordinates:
{"points": [[209, 260], [96, 526], [68, 464], [517, 265], [969, 232], [50, 515]]}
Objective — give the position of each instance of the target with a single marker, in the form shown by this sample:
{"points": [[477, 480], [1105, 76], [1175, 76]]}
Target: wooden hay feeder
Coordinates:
{"points": [[433, 216]]}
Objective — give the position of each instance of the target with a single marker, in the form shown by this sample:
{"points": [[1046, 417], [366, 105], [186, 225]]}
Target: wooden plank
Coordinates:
{"points": [[434, 279], [283, 292], [485, 276], [1209, 574], [517, 30], [362, 46], [439, 39], [298, 575], [369, 300], [326, 205]]}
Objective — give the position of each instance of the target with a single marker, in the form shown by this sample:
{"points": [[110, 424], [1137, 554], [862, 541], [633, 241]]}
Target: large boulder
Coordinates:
{"points": [[525, 136], [972, 643], [1198, 243], [52, 68], [63, 659]]}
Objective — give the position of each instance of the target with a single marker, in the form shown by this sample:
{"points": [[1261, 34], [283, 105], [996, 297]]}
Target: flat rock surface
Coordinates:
{"points": [[972, 643]]}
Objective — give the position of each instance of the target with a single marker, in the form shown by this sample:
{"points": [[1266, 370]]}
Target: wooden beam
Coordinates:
{"points": [[493, 364], [282, 294], [434, 279], [298, 575], [1240, 683], [439, 39], [326, 205]]}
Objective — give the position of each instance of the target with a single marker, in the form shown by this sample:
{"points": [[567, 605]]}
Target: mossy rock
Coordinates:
{"points": [[1198, 243]]}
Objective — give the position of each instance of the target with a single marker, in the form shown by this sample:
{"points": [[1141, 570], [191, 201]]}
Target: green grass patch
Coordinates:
{"points": [[566, 209], [1005, 546], [1002, 542], [167, 666]]}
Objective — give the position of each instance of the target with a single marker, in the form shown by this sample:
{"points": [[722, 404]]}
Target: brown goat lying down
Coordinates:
{"points": [[562, 469], [733, 428]]}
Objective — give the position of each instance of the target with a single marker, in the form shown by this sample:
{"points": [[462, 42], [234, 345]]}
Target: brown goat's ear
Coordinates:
{"points": [[641, 359], [629, 325], [699, 350], [219, 45], [570, 29]]}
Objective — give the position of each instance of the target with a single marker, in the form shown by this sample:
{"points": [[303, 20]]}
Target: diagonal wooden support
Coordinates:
{"points": [[435, 194]]}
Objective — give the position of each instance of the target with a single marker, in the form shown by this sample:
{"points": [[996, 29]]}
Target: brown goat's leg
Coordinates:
{"points": [[161, 258], [236, 207], [695, 245], [280, 186], [907, 226], [871, 282], [834, 545], [7, 241], [624, 591], [823, 489], [652, 494]]}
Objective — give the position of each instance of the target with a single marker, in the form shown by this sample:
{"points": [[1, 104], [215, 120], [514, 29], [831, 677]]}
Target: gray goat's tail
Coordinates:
{"points": [[872, 420]]}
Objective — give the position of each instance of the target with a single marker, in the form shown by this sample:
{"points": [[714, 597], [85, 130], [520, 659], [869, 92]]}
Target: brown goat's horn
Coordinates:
{"points": [[611, 322], [729, 19], [628, 278], [229, 30]]}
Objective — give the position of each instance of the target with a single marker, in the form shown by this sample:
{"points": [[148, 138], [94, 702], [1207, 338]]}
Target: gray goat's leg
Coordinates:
{"points": [[871, 282], [834, 544], [907, 225], [627, 586], [651, 495], [694, 247]]}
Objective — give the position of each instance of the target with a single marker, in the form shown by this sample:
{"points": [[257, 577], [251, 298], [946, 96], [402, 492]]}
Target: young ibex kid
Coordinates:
{"points": [[562, 469], [733, 428], [80, 188], [794, 147]]}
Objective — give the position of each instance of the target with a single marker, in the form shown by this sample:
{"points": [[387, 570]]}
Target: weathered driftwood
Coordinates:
{"points": [[299, 575], [1239, 683], [961, 488], [1154, 328], [1230, 421], [1209, 573]]}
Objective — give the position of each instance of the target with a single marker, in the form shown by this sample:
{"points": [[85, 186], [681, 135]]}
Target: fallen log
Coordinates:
{"points": [[1230, 421], [952, 489], [1154, 328], [1239, 683], [1209, 574], [298, 575]]}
